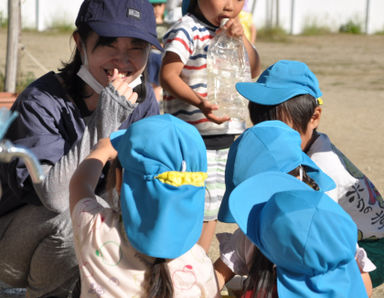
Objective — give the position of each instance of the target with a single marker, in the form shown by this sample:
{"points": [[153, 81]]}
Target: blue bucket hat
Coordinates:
{"points": [[267, 146], [308, 236], [162, 196], [120, 18], [279, 82]]}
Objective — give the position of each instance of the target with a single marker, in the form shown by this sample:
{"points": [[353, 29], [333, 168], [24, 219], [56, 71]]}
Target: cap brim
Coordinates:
{"points": [[343, 281], [247, 197], [261, 94], [117, 30], [324, 182]]}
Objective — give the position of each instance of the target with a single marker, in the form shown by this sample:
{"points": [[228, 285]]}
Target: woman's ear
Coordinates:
{"points": [[78, 41], [315, 119]]}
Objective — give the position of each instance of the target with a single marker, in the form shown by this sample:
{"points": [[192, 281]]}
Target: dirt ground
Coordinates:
{"points": [[350, 70]]}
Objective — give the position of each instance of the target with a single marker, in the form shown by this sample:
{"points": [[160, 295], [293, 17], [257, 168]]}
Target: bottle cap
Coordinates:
{"points": [[223, 21]]}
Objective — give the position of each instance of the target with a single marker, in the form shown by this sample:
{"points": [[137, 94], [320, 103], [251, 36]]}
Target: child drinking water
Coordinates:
{"points": [[148, 248], [289, 91], [267, 146], [183, 76]]}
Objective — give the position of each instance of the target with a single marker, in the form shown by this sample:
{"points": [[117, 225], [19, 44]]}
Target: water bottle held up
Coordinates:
{"points": [[227, 64]]}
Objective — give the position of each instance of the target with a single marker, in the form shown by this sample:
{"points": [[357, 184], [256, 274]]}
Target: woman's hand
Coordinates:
{"points": [[122, 87]]}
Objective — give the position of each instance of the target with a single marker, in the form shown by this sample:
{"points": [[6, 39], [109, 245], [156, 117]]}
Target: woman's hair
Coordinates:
{"points": [[157, 280], [74, 84], [261, 279], [298, 110]]}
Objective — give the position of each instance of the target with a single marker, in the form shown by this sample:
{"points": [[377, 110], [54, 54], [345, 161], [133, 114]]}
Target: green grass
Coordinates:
{"points": [[3, 21], [313, 29], [61, 26], [380, 32], [353, 27], [272, 34]]}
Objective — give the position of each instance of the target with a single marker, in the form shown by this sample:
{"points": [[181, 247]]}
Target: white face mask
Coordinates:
{"points": [[88, 78]]}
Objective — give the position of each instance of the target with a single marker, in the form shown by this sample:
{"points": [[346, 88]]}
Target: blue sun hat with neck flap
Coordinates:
{"points": [[280, 82], [309, 237], [267, 146], [162, 197]]}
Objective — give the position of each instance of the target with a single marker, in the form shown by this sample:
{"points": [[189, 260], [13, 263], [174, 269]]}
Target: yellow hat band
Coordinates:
{"points": [[183, 178]]}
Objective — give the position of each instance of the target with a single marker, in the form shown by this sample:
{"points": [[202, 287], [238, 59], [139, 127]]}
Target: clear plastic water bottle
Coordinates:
{"points": [[227, 64]]}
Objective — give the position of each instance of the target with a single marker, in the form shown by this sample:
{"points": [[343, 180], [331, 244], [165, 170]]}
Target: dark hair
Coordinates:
{"points": [[192, 6], [261, 279], [74, 84], [306, 179], [298, 110], [157, 280]]}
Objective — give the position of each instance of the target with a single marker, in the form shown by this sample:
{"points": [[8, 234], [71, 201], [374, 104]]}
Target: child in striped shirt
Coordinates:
{"points": [[183, 76]]}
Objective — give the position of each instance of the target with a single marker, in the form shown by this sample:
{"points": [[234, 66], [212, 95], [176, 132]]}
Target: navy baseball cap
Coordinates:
{"points": [[120, 18], [280, 82]]}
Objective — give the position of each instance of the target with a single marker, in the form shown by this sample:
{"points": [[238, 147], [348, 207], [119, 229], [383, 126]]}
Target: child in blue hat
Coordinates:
{"points": [[267, 146], [289, 91], [308, 237], [148, 247]]}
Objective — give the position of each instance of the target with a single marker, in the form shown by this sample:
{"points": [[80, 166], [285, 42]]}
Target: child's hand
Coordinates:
{"points": [[104, 150], [207, 109], [122, 87], [233, 28]]}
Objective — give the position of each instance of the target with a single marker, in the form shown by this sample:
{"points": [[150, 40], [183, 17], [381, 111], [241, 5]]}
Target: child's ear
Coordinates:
{"points": [[315, 119]]}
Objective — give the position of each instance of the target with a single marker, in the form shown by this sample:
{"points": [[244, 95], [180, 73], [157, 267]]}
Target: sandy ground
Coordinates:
{"points": [[350, 70]]}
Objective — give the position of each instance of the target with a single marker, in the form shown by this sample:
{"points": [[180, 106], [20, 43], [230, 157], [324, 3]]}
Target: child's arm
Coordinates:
{"points": [[223, 273], [86, 176], [367, 283], [171, 81], [234, 28]]}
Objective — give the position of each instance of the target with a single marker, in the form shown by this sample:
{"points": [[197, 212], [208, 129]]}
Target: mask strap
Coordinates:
{"points": [[86, 76]]}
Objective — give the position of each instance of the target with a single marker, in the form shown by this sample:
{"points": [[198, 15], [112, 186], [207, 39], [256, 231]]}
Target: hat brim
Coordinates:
{"points": [[343, 281], [117, 30], [246, 200], [261, 94], [160, 220]]}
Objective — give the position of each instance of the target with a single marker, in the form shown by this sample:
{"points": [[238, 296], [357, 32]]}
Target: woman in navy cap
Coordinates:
{"points": [[61, 117]]}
